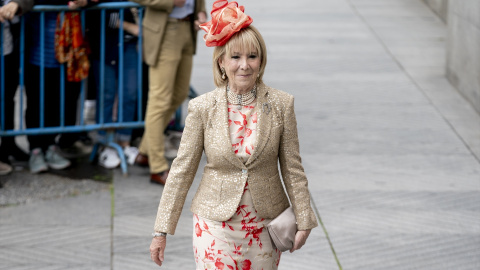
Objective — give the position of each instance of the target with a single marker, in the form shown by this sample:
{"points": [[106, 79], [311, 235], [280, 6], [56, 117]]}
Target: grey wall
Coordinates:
{"points": [[440, 7], [463, 48]]}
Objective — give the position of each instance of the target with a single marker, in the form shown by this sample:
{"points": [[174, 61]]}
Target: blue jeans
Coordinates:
{"points": [[130, 72]]}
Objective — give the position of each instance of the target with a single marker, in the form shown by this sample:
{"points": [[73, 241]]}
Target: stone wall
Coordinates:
{"points": [[440, 7], [463, 48]]}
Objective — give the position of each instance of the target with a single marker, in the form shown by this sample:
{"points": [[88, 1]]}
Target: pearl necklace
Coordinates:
{"points": [[243, 99]]}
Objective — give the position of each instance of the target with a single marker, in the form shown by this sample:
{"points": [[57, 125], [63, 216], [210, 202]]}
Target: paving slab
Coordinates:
{"points": [[59, 233]]}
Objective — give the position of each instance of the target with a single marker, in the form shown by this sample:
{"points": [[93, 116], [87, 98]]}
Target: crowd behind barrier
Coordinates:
{"points": [[80, 124]]}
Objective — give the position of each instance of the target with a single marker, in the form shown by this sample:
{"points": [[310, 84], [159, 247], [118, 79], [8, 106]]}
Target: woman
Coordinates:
{"points": [[41, 61], [245, 128], [9, 17], [109, 157]]}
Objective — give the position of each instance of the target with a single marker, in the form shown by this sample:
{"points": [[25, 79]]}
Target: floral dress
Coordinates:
{"points": [[242, 242]]}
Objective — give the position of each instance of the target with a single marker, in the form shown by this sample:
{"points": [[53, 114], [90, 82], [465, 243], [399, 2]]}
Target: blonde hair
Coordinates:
{"points": [[246, 39]]}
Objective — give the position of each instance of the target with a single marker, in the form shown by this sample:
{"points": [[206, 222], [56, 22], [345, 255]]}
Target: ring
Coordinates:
{"points": [[8, 14]]}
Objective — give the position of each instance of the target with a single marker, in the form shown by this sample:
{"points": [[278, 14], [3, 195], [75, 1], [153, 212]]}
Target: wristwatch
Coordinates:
{"points": [[158, 234]]}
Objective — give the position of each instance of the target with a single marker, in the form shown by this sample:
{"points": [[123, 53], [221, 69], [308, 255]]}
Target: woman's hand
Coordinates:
{"points": [[8, 11], [77, 4], [157, 249], [131, 28], [202, 18], [300, 239]]}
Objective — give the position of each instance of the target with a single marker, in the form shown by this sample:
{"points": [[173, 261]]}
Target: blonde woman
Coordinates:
{"points": [[245, 128]]}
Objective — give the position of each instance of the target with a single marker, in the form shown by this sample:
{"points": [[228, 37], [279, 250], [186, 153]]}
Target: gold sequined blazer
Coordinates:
{"points": [[224, 176]]}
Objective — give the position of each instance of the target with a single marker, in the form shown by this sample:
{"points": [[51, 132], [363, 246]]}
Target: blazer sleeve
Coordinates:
{"points": [[200, 7], [293, 175], [182, 171], [164, 5]]}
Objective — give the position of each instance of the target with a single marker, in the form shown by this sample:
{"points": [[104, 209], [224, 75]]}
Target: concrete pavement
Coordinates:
{"points": [[392, 152]]}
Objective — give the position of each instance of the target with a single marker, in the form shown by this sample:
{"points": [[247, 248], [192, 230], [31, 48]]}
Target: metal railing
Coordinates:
{"points": [[81, 125]]}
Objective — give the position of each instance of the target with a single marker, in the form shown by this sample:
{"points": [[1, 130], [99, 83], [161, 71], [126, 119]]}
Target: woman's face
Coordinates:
{"points": [[242, 68]]}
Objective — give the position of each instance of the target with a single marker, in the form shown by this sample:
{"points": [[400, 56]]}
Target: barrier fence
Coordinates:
{"points": [[80, 125]]}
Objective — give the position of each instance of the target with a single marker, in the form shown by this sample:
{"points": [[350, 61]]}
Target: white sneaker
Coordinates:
{"points": [[37, 162], [109, 158], [55, 160], [5, 168], [171, 144], [131, 153]]}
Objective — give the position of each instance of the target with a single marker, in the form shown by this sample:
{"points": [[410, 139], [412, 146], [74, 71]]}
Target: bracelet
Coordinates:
{"points": [[157, 234]]}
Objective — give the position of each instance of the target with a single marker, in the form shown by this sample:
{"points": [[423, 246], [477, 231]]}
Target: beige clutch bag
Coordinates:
{"points": [[282, 230]]}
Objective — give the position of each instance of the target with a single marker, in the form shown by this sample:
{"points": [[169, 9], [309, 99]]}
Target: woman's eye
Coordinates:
{"points": [[235, 57], [253, 56]]}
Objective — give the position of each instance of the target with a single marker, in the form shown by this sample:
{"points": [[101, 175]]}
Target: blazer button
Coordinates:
{"points": [[244, 170]]}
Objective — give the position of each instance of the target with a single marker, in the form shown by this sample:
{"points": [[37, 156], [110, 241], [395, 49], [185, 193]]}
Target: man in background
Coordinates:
{"points": [[169, 31]]}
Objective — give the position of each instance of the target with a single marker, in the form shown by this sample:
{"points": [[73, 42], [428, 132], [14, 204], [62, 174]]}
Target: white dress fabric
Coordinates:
{"points": [[242, 242]]}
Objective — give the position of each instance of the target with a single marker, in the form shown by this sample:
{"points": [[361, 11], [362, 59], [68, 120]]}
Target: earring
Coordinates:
{"points": [[223, 73]]}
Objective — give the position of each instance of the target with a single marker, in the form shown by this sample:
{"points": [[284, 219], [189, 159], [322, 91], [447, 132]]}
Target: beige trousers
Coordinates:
{"points": [[169, 83]]}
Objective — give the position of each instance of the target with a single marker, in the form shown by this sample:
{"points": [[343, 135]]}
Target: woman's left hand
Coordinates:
{"points": [[8, 11], [300, 239]]}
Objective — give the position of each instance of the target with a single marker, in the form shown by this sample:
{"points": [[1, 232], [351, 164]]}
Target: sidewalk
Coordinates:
{"points": [[391, 150]]}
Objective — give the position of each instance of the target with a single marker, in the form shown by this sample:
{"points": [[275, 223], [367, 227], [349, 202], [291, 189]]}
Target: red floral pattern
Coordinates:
{"points": [[243, 129], [240, 243]]}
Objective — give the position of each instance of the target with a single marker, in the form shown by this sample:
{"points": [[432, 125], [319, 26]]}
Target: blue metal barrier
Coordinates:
{"points": [[81, 125]]}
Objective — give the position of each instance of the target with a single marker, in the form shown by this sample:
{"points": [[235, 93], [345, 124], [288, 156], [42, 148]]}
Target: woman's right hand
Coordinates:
{"points": [[157, 249], [131, 28], [76, 4]]}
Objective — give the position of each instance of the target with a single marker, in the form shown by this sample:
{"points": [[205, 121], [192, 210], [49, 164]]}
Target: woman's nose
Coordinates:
{"points": [[243, 63]]}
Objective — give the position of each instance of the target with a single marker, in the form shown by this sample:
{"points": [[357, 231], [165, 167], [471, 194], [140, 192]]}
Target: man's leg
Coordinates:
{"points": [[184, 72], [162, 85]]}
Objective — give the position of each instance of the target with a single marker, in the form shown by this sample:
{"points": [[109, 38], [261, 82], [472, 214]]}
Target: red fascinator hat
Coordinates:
{"points": [[227, 19]]}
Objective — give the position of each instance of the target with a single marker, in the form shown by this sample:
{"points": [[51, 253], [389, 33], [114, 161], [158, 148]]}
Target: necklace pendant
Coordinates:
{"points": [[239, 106]]}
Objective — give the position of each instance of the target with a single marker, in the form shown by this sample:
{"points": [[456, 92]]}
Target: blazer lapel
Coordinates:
{"points": [[221, 116], [264, 122]]}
